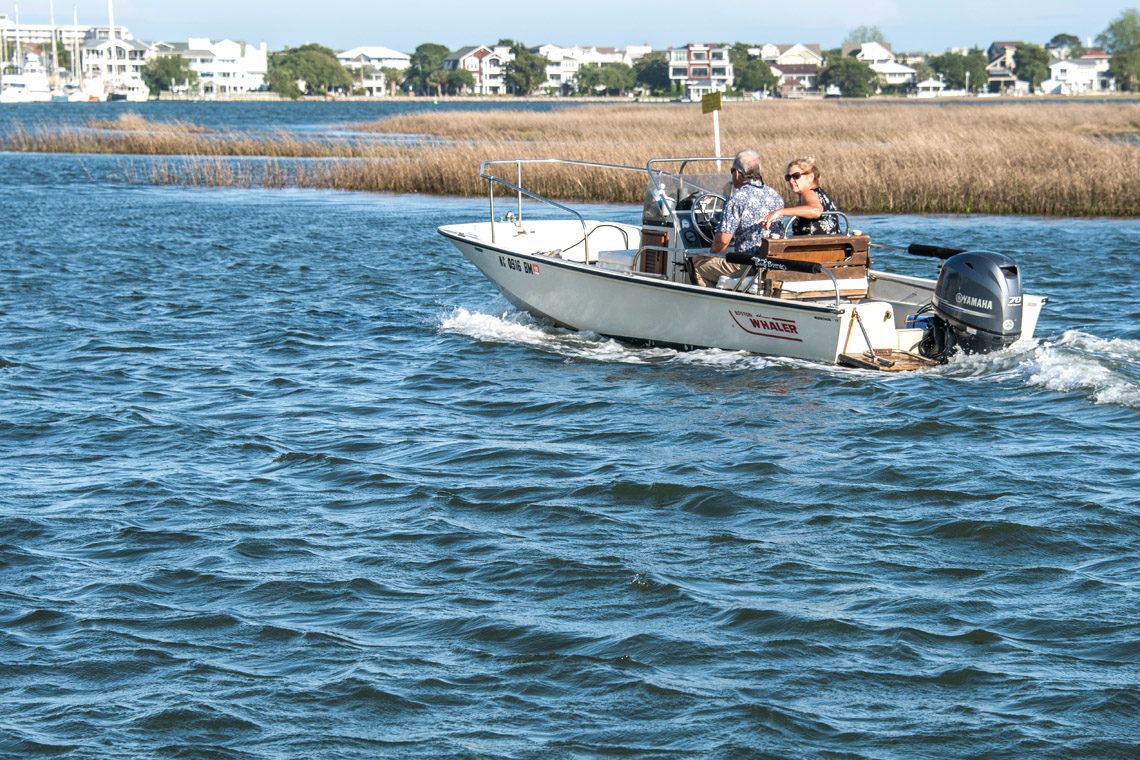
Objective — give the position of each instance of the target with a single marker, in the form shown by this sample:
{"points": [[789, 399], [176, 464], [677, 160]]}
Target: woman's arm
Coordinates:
{"points": [[809, 208]]}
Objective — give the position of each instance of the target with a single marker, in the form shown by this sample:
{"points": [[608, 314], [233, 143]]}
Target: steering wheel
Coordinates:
{"points": [[705, 212]]}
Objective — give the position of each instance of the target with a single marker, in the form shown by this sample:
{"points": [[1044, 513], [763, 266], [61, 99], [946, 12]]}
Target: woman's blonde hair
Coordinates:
{"points": [[807, 163]]}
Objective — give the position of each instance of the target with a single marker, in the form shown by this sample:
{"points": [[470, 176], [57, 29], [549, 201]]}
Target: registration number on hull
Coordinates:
{"points": [[518, 266]]}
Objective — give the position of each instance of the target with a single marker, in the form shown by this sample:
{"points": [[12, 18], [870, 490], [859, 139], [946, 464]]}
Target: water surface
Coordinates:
{"points": [[283, 476]]}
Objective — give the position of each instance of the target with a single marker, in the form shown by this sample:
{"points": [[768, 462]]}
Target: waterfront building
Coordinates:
{"points": [[117, 62], [367, 65], [485, 63], [882, 60], [66, 34], [565, 62], [1086, 75], [699, 69], [224, 67], [796, 66]]}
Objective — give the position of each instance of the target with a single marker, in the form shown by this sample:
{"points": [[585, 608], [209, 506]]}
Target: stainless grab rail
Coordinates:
{"points": [[518, 188]]}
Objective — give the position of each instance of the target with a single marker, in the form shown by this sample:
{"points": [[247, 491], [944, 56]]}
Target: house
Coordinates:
{"points": [[367, 65], [1080, 76], [796, 78], [894, 74], [699, 69], [868, 52], [881, 59], [562, 71], [1000, 54], [224, 67], [797, 54], [486, 65], [117, 61]]}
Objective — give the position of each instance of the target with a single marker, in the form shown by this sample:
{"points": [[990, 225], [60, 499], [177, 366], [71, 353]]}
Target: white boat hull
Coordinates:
{"points": [[635, 308]]}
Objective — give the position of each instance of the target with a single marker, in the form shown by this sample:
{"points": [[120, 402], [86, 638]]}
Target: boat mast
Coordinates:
{"points": [[19, 51], [54, 52], [76, 64]]}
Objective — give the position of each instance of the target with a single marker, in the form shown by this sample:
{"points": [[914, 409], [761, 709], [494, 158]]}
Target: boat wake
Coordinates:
{"points": [[520, 328], [1104, 371], [1107, 371]]}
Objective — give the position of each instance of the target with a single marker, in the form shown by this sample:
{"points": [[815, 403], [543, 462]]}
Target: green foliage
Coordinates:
{"points": [[954, 67], [1031, 63], [612, 79], [1068, 44], [425, 63], [314, 65], [854, 78], [392, 77], [861, 34], [652, 71], [1122, 40], [166, 71], [460, 81], [752, 75], [527, 71]]}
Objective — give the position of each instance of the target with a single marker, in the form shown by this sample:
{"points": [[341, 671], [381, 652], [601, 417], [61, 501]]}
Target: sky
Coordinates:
{"points": [[909, 25]]}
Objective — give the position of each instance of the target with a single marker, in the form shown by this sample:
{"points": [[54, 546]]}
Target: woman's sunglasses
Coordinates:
{"points": [[794, 175]]}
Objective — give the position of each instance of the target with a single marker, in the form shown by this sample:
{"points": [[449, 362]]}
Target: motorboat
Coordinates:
{"points": [[29, 85], [812, 297]]}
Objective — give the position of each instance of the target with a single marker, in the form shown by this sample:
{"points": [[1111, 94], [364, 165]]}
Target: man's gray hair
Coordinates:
{"points": [[748, 163]]}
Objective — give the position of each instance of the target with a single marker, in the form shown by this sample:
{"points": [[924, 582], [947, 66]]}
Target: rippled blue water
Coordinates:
{"points": [[282, 477]]}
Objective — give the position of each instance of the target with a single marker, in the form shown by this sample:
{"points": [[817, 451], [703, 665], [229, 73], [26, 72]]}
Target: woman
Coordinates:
{"points": [[803, 176]]}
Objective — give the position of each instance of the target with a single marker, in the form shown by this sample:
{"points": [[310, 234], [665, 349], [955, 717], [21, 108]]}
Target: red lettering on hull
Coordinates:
{"points": [[766, 327]]}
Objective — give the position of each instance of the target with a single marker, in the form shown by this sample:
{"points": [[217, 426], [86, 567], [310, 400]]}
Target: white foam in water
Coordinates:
{"points": [[1082, 362], [521, 328]]}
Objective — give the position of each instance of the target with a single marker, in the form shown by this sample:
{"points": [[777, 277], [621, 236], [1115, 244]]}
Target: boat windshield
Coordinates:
{"points": [[666, 191]]}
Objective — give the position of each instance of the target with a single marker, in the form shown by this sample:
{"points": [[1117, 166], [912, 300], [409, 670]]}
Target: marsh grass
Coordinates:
{"points": [[1049, 159]]}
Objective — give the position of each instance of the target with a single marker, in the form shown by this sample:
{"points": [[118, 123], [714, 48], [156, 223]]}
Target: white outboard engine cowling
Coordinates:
{"points": [[977, 305]]}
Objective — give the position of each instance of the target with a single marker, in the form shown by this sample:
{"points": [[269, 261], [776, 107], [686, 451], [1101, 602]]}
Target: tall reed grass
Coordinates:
{"points": [[1039, 159]]}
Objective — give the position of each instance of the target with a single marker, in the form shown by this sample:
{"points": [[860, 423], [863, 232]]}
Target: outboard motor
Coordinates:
{"points": [[977, 305]]}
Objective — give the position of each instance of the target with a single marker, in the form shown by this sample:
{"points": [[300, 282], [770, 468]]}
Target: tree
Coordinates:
{"points": [[618, 78], [962, 72], [652, 71], [1031, 63], [460, 81], [854, 78], [1122, 40], [392, 77], [754, 75], [424, 63], [314, 65], [750, 73], [1065, 46], [589, 79], [861, 34], [527, 71], [166, 71]]}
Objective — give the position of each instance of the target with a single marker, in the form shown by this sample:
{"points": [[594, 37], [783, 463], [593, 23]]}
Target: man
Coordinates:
{"points": [[742, 221]]}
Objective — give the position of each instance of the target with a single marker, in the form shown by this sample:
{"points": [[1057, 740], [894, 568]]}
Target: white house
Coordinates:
{"points": [[562, 71], [485, 64], [224, 67], [893, 73], [700, 69], [117, 62], [367, 64], [796, 54], [1080, 76]]}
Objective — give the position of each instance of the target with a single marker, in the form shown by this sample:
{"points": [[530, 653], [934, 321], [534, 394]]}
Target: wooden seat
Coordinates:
{"points": [[845, 256]]}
